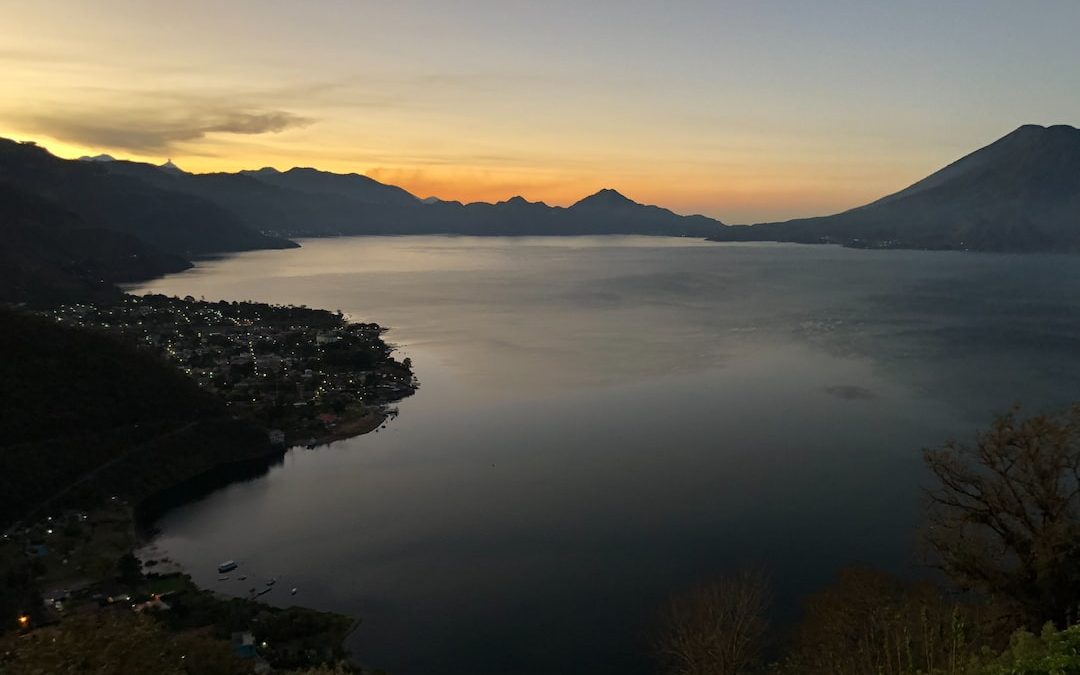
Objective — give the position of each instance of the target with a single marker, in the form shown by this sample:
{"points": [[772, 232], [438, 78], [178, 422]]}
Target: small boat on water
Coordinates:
{"points": [[271, 582], [224, 578], [292, 592], [227, 566]]}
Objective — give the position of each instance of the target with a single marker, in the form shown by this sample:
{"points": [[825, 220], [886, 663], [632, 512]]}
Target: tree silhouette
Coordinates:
{"points": [[1004, 517], [717, 629]]}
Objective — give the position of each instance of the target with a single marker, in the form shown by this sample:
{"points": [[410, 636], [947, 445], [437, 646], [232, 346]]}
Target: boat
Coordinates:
{"points": [[271, 582], [227, 566], [293, 592], [224, 578]]}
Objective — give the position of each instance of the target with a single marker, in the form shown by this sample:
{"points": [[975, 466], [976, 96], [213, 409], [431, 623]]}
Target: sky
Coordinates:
{"points": [[744, 111]]}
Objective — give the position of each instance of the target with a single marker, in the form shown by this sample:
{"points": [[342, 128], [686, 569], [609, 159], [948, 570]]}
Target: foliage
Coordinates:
{"points": [[871, 622], [72, 401], [116, 643], [295, 637], [1051, 653], [128, 569], [18, 594], [717, 629], [1004, 518]]}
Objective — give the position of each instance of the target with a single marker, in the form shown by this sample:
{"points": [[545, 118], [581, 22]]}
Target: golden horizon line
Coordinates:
{"points": [[144, 159], [77, 152]]}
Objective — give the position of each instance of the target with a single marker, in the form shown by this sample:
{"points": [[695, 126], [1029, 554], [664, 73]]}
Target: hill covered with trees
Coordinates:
{"points": [[87, 416]]}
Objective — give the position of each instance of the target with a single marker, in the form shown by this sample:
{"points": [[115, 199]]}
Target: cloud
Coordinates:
{"points": [[153, 131], [258, 123]]}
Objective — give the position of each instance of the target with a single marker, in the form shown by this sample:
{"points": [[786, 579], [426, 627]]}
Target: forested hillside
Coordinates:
{"points": [[84, 411]]}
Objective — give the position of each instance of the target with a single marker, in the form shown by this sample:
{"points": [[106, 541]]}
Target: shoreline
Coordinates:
{"points": [[150, 510], [351, 428], [152, 507], [253, 381], [219, 477]]}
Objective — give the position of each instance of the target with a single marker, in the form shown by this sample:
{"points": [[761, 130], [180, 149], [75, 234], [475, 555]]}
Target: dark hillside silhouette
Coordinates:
{"points": [[1020, 193], [174, 222]]}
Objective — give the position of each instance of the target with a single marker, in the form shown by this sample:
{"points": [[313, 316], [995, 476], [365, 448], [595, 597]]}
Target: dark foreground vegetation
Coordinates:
{"points": [[134, 396], [111, 405], [1002, 535], [86, 417]]}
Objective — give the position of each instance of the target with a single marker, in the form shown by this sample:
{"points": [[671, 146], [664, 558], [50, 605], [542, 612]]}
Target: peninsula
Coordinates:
{"points": [[114, 407]]}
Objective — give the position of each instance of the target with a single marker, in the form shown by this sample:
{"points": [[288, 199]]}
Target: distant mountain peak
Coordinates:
{"points": [[606, 198], [97, 158], [1040, 127], [169, 166], [1019, 193], [1036, 131]]}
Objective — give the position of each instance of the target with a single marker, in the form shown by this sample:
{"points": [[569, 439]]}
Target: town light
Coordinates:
{"points": [[24, 621]]}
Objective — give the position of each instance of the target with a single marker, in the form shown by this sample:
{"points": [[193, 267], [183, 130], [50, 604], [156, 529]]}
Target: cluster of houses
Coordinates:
{"points": [[59, 544], [297, 371]]}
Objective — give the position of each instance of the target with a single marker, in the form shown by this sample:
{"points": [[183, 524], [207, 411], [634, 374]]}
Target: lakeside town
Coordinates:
{"points": [[87, 578], [309, 376], [68, 568]]}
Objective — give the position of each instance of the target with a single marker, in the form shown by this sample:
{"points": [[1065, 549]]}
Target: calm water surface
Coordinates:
{"points": [[603, 420]]}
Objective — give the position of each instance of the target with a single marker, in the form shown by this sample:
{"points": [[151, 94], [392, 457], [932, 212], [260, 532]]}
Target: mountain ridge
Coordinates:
{"points": [[172, 221], [303, 201], [50, 254], [1019, 193]]}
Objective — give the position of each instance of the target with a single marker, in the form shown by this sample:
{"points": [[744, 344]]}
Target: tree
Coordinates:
{"points": [[1004, 517], [119, 644], [1051, 653], [129, 569], [717, 629], [869, 621]]}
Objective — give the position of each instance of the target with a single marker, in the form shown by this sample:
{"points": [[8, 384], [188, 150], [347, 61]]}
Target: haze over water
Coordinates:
{"points": [[604, 420]]}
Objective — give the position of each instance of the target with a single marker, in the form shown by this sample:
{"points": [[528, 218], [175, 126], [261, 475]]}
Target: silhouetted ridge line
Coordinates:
{"points": [[303, 201], [1020, 193]]}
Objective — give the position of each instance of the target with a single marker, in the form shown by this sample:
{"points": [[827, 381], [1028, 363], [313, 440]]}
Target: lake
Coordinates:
{"points": [[602, 421]]}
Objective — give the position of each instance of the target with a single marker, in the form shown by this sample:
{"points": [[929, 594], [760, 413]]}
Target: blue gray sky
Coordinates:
{"points": [[745, 111]]}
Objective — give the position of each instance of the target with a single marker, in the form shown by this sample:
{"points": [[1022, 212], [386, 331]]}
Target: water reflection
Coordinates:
{"points": [[602, 420]]}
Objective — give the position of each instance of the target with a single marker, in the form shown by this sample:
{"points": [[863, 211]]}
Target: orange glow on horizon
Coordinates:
{"points": [[733, 197], [548, 101]]}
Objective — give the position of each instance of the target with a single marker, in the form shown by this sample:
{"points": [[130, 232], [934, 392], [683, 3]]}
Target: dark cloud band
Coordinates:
{"points": [[156, 131]]}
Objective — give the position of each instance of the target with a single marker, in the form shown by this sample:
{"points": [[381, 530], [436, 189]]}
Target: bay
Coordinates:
{"points": [[603, 421]]}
